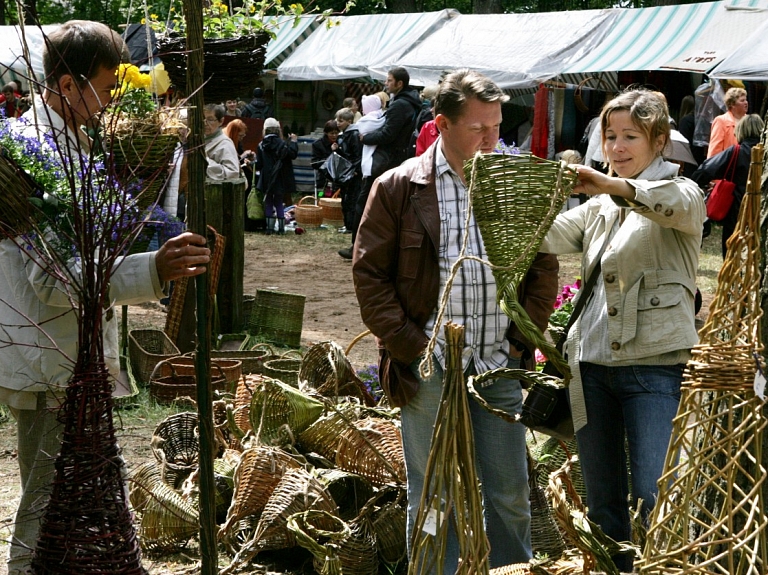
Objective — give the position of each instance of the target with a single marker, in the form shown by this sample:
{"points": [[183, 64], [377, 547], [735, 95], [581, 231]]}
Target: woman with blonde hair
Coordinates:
{"points": [[723, 131], [639, 233]]}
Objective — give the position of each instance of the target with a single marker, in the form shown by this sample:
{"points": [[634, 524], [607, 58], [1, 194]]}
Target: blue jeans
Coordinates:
{"points": [[501, 464], [638, 402]]}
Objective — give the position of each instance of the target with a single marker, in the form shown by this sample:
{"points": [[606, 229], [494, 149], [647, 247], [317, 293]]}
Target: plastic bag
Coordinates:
{"points": [[338, 169]]}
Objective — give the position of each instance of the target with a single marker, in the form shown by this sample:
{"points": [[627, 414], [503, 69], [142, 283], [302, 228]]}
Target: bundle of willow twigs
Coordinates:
{"points": [[451, 487]]}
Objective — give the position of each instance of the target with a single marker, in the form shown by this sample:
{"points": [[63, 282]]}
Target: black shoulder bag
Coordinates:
{"points": [[546, 408]]}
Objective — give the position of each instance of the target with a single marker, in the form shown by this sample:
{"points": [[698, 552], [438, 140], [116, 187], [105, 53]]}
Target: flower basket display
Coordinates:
{"points": [[232, 65], [144, 159]]}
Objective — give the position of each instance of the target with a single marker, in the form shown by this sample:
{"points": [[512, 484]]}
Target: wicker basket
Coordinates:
{"points": [[278, 317], [168, 521], [234, 64], [258, 473], [308, 215], [389, 525], [279, 412], [323, 435], [15, 208], [332, 214], [286, 370], [146, 348], [350, 491], [166, 389], [326, 369], [143, 159], [176, 447], [229, 369], [373, 448]]}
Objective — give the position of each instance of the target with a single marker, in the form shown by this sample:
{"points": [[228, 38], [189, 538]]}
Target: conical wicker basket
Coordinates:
{"points": [[297, 491], [389, 525], [280, 412], [373, 448], [350, 491], [323, 435], [326, 369], [258, 473]]}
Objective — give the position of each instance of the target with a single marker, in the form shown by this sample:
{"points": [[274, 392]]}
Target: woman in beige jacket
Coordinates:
{"points": [[628, 349]]}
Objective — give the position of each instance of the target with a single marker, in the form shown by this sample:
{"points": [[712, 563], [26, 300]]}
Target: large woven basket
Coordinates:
{"points": [[322, 437], [308, 214], [332, 214], [143, 160], [278, 317], [389, 525], [229, 369], [280, 412], [350, 491], [147, 348], [166, 389], [373, 448], [233, 65]]}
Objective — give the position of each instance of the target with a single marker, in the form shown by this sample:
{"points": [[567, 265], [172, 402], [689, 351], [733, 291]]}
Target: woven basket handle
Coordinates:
{"points": [[291, 353], [531, 377], [301, 201], [159, 363]]}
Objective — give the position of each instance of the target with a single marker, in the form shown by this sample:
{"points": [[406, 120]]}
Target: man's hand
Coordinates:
{"points": [[182, 256]]}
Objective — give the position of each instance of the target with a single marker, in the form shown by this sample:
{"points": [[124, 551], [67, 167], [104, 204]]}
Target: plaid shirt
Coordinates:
{"points": [[472, 302]]}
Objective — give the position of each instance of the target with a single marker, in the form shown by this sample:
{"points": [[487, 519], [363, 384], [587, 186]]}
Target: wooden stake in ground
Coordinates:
{"points": [[709, 517], [451, 487]]}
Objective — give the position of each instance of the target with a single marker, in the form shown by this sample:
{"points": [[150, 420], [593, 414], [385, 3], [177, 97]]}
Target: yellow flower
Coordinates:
{"points": [[143, 21], [153, 16]]}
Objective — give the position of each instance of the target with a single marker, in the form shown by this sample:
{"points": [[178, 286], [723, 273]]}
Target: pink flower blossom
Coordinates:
{"points": [[540, 357]]}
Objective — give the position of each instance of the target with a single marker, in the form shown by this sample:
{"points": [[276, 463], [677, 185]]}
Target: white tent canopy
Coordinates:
{"points": [[691, 37], [749, 61], [514, 50], [13, 64], [349, 49]]}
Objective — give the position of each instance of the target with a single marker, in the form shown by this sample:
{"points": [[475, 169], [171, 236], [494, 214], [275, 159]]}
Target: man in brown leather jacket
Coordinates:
{"points": [[409, 237]]}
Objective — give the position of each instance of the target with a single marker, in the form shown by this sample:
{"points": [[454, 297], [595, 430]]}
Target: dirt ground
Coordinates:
{"points": [[306, 264]]}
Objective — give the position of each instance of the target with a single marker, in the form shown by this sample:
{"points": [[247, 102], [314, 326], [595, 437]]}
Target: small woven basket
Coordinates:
{"points": [[278, 317], [373, 448], [326, 369], [280, 412], [256, 476], [332, 214], [176, 447], [389, 525], [146, 348], [167, 520], [308, 215], [286, 370]]}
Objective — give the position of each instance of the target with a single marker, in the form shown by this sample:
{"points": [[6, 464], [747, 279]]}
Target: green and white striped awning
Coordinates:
{"points": [[289, 33], [692, 37]]}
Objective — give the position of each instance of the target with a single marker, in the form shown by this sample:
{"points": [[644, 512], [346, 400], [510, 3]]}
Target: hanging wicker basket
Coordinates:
{"points": [[308, 213], [232, 65]]}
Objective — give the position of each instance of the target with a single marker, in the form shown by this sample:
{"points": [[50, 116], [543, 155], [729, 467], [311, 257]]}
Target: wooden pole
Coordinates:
{"points": [[193, 11]]}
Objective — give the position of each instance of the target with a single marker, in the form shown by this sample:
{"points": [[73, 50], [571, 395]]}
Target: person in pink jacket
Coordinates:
{"points": [[723, 133]]}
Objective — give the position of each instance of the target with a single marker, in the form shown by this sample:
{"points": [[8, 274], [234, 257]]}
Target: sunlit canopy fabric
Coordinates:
{"points": [[514, 50], [349, 49], [692, 37], [749, 61]]}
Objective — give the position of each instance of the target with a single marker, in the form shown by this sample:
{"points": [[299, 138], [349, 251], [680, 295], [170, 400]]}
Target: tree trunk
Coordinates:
{"points": [[487, 7]]}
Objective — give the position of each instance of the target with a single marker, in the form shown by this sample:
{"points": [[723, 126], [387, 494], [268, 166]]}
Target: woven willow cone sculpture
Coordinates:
{"points": [[709, 516], [451, 485], [515, 199]]}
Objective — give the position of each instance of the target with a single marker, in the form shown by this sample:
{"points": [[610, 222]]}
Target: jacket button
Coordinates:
{"points": [[655, 301], [657, 208], [668, 212], [612, 311], [610, 278], [615, 346]]}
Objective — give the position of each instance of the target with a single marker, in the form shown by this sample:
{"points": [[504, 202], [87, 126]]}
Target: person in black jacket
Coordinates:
{"points": [[258, 107], [748, 132], [392, 140], [350, 148], [274, 158], [321, 149]]}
